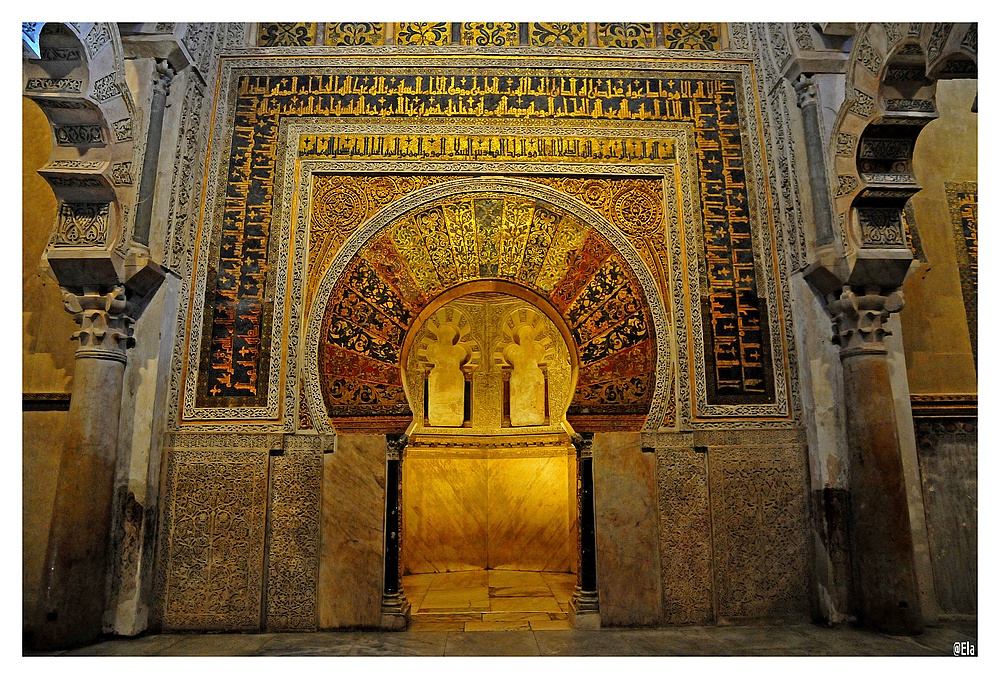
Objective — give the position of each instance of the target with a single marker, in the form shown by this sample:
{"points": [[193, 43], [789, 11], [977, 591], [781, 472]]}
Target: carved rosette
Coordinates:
{"points": [[859, 319], [105, 330]]}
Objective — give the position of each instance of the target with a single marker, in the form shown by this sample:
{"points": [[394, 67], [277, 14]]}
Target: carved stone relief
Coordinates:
{"points": [[213, 539], [445, 381], [759, 522], [294, 533]]}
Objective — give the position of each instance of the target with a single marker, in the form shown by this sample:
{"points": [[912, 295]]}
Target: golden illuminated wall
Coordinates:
{"points": [[47, 354], [941, 294]]}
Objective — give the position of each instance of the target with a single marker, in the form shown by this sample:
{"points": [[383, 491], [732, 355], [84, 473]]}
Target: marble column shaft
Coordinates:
{"points": [[72, 601], [886, 593]]}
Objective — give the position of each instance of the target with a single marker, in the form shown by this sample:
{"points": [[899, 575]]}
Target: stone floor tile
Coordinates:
{"points": [[516, 579], [542, 591], [409, 643], [418, 580], [523, 604], [309, 644], [548, 625], [464, 616], [218, 645], [941, 639], [497, 625], [435, 626], [459, 580], [766, 637], [154, 644], [491, 644], [511, 617], [849, 641], [604, 642]]}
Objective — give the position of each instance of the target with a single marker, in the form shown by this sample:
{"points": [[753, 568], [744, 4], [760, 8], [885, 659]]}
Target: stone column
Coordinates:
{"points": [[163, 76], [72, 598], [395, 607], [584, 608], [886, 594], [805, 90]]}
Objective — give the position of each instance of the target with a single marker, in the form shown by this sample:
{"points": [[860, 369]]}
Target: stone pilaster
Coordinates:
{"points": [[886, 594], [73, 598], [584, 607]]}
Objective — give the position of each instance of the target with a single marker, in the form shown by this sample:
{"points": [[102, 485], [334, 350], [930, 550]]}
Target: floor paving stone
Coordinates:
{"points": [[536, 636]]}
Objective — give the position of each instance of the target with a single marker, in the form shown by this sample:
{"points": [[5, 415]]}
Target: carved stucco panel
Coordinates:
{"points": [[759, 521], [214, 539], [294, 534]]}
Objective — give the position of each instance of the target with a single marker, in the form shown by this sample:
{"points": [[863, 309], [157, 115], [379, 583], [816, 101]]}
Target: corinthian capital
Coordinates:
{"points": [[859, 319], [105, 331]]}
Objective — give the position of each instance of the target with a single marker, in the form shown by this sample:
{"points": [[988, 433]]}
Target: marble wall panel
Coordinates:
{"points": [[444, 514], [213, 539], [351, 557], [626, 517], [529, 514], [42, 444]]}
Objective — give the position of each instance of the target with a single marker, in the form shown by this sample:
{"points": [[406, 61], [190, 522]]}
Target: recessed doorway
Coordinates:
{"points": [[489, 502]]}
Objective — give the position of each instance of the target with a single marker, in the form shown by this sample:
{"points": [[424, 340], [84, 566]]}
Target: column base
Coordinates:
{"points": [[584, 612], [395, 612]]}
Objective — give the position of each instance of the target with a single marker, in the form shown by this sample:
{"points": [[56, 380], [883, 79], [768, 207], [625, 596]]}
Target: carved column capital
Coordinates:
{"points": [[163, 76], [859, 319], [394, 446], [105, 330], [584, 444], [805, 90]]}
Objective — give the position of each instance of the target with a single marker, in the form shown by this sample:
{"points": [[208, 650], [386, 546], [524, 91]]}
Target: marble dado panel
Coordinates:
{"points": [[352, 528], [212, 544], [294, 534], [468, 509], [628, 572]]}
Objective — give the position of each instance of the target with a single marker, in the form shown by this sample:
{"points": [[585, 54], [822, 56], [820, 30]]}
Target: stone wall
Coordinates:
{"points": [[47, 358], [705, 527], [948, 452]]}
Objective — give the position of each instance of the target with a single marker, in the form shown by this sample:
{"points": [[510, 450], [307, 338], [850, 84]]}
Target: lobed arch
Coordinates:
{"points": [[77, 78], [890, 89], [606, 254]]}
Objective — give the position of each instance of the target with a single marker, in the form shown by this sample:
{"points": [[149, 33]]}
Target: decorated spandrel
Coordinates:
{"points": [[235, 344]]}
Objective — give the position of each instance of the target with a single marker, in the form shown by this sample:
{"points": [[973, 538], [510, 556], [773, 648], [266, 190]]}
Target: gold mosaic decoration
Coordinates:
{"points": [[963, 204], [628, 36], [691, 36], [288, 34], [490, 33], [473, 236], [423, 33], [355, 33], [557, 34]]}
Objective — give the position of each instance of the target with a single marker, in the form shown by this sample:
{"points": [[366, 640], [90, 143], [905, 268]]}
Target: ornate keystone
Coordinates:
{"points": [[858, 320], [105, 331]]}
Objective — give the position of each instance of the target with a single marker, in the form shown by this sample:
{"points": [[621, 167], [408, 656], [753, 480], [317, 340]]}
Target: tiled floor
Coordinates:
{"points": [[778, 640], [479, 601]]}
